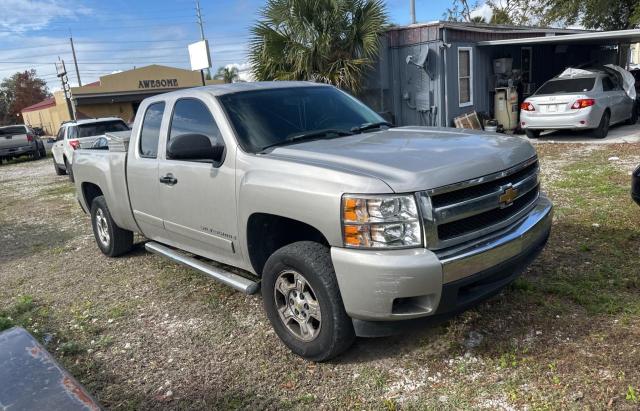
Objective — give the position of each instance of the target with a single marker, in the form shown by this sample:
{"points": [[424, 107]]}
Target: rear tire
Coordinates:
{"points": [[532, 133], [324, 330], [37, 155], [59, 171], [603, 127], [43, 150], [111, 239], [633, 119], [69, 170]]}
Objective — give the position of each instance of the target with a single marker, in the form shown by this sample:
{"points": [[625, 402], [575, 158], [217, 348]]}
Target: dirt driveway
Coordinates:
{"points": [[142, 333]]}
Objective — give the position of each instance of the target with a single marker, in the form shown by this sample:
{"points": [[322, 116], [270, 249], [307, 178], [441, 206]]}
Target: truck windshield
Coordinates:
{"points": [[573, 85], [265, 118], [98, 129]]}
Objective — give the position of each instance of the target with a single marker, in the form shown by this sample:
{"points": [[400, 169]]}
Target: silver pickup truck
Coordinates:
{"points": [[19, 140], [347, 225]]}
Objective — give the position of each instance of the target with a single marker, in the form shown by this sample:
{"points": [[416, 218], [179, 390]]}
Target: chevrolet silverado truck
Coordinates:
{"points": [[347, 226]]}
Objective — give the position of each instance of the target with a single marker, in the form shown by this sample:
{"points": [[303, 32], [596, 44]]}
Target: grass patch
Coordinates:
{"points": [[60, 190], [21, 313]]}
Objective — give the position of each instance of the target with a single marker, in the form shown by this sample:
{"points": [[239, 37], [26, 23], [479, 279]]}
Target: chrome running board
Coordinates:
{"points": [[225, 277]]}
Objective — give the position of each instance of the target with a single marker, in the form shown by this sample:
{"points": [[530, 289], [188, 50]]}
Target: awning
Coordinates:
{"points": [[595, 38], [118, 97]]}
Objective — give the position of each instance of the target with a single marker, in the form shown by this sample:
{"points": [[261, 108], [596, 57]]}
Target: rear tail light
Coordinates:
{"points": [[583, 103], [75, 144], [29, 137], [526, 106]]}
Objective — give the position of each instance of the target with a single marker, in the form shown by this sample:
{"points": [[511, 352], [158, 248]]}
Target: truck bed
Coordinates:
{"points": [[106, 170]]}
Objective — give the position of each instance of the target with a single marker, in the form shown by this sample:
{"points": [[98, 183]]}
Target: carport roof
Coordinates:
{"points": [[595, 37]]}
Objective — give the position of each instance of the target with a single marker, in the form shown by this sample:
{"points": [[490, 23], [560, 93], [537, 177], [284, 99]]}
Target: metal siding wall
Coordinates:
{"points": [[391, 77], [482, 67]]}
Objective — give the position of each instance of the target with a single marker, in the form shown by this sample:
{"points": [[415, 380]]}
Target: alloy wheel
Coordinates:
{"points": [[297, 305], [102, 227]]}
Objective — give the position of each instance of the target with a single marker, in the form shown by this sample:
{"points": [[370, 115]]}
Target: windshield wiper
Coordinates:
{"points": [[310, 135], [369, 126]]}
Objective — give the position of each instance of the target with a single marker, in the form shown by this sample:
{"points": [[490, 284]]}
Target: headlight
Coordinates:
{"points": [[380, 221]]}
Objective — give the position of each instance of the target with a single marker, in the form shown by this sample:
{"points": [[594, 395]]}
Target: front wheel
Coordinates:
{"points": [[112, 240], [302, 300]]}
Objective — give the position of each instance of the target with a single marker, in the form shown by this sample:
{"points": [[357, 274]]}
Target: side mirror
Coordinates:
{"points": [[196, 147]]}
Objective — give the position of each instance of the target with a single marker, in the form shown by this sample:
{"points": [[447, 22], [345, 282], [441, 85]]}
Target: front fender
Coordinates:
{"points": [[301, 191]]}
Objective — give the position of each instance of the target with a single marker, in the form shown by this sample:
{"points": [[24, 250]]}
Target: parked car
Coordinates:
{"points": [[635, 185], [20, 140], [348, 226], [592, 101], [74, 134]]}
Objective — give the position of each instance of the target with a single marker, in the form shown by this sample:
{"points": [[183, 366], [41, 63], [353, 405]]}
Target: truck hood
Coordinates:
{"points": [[415, 158]]}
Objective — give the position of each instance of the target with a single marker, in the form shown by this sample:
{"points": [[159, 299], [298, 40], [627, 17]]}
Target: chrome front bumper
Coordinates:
{"points": [[501, 246], [384, 286]]}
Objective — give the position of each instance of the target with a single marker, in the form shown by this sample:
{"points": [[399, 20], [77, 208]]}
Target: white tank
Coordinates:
{"points": [[506, 107]]}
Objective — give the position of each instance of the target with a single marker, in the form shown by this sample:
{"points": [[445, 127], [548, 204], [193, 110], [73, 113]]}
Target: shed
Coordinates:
{"points": [[430, 73]]}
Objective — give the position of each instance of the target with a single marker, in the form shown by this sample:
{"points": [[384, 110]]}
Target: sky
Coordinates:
{"points": [[115, 35]]}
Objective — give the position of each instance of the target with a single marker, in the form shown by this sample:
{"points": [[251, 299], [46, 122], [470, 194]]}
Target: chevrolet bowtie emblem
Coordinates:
{"points": [[508, 195]]}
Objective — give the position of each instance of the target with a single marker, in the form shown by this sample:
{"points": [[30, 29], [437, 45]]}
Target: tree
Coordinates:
{"points": [[20, 90], [515, 12], [593, 14], [330, 41], [460, 10], [228, 74]]}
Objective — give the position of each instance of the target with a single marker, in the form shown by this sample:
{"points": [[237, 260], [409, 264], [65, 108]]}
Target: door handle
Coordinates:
{"points": [[169, 180]]}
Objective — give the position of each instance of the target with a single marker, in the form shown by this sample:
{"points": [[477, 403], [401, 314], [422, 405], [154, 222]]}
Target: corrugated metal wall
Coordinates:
{"points": [[410, 94]]}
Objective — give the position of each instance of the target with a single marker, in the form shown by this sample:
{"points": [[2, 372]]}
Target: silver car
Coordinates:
{"points": [[588, 101]]}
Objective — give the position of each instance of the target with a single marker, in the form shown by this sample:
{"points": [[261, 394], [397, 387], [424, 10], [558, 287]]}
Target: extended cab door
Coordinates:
{"points": [[142, 172], [198, 198]]}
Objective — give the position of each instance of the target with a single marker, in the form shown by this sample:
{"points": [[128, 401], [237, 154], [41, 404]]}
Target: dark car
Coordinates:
{"points": [[635, 185]]}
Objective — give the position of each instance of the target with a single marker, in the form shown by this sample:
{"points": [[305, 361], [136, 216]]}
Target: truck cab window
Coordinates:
{"points": [[191, 116], [150, 133]]}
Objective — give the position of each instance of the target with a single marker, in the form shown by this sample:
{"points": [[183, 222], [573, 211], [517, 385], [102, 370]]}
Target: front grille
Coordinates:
{"points": [[483, 188], [486, 219], [471, 209]]}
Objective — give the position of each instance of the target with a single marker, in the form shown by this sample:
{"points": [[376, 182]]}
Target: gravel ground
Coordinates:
{"points": [[143, 333]]}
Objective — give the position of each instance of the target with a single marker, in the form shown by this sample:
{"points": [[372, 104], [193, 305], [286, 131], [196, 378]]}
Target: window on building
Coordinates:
{"points": [[150, 133], [191, 116], [465, 76]]}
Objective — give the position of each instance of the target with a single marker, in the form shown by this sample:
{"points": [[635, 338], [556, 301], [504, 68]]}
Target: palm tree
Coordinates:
{"points": [[228, 74], [329, 41]]}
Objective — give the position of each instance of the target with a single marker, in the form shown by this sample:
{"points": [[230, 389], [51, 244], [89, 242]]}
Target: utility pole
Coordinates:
{"points": [[201, 24], [62, 74], [412, 7], [75, 61]]}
